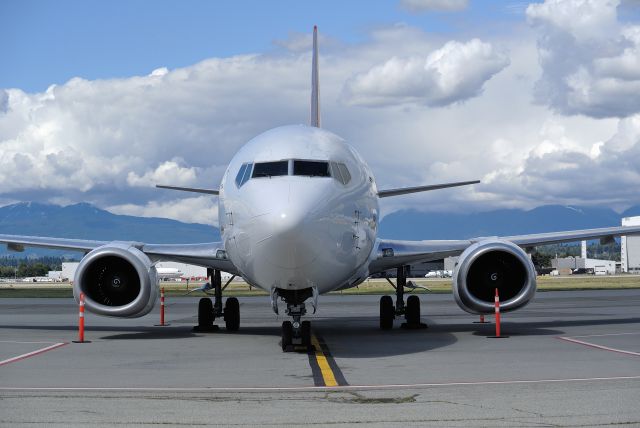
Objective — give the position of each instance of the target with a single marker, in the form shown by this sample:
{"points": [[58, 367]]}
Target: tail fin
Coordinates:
{"points": [[315, 83]]}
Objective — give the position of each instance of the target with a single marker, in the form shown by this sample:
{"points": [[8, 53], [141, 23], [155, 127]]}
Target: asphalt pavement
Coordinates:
{"points": [[571, 359]]}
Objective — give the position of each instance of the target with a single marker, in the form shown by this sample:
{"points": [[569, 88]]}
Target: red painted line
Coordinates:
{"points": [[318, 388], [604, 348], [33, 353]]}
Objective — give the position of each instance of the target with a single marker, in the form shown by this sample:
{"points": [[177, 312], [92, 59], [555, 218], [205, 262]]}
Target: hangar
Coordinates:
{"points": [[630, 247]]}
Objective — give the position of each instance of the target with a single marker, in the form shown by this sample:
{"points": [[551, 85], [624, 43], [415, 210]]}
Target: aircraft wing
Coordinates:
{"points": [[391, 254], [19, 243], [210, 254]]}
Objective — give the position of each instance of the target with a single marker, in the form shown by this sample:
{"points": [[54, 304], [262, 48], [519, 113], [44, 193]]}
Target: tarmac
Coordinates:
{"points": [[571, 359]]}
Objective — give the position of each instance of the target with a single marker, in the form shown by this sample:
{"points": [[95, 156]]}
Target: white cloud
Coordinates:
{"points": [[562, 170], [159, 72], [170, 172], [590, 59], [109, 141], [453, 73], [417, 6], [4, 101], [200, 209]]}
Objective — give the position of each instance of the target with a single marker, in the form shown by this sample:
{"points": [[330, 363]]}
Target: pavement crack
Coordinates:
{"points": [[356, 398]]}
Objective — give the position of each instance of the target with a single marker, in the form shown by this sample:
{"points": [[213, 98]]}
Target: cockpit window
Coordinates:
{"points": [[311, 168], [243, 174], [340, 172], [304, 168], [270, 169]]}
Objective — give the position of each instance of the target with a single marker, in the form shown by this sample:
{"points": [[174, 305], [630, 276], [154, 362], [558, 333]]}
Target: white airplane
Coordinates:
{"points": [[439, 274], [168, 273], [298, 211]]}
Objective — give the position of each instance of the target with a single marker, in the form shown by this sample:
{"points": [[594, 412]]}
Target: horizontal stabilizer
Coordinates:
{"points": [[406, 190], [189, 189]]}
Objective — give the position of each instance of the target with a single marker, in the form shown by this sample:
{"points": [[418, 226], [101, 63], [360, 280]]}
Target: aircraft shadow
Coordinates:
{"points": [[347, 337]]}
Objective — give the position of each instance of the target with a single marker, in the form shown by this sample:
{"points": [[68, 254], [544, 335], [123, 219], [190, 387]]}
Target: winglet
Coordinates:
{"points": [[315, 83]]}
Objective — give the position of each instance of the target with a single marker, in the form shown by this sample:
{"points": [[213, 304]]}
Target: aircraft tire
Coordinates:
{"points": [[205, 312], [305, 333], [387, 313], [412, 312], [287, 335], [232, 314]]}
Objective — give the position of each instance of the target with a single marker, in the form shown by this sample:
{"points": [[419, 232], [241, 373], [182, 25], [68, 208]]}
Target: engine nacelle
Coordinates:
{"points": [[491, 264], [117, 280]]}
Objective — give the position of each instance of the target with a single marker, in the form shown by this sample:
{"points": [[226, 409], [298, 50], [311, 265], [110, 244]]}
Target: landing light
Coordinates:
{"points": [[221, 254], [387, 252]]}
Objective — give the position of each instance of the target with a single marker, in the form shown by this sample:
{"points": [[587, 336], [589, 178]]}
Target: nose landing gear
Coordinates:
{"points": [[411, 310], [296, 334], [208, 311]]}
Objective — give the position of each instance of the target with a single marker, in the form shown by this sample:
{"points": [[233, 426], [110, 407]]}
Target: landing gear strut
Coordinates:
{"points": [[208, 311], [296, 333], [411, 310]]}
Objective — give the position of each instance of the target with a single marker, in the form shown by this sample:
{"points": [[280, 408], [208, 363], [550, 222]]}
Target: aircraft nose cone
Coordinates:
{"points": [[287, 222], [291, 241], [295, 228]]}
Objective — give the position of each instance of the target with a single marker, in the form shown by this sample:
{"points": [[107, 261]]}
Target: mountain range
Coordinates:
{"points": [[85, 221], [412, 224]]}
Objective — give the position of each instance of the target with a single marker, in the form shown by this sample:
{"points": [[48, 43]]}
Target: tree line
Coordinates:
{"points": [[11, 267]]}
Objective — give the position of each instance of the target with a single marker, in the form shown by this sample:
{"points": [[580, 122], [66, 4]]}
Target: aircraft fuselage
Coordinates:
{"points": [[280, 211]]}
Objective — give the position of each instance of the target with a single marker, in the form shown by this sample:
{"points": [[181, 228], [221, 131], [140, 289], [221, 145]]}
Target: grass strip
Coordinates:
{"points": [[372, 286]]}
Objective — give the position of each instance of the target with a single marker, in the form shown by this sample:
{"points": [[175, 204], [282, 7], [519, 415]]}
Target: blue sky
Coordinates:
{"points": [[52, 41], [540, 100]]}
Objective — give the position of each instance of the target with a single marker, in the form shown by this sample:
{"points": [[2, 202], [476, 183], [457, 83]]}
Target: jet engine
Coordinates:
{"points": [[118, 280], [491, 264]]}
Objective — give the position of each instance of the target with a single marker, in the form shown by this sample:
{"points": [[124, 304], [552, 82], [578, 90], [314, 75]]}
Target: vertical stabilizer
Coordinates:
{"points": [[315, 83]]}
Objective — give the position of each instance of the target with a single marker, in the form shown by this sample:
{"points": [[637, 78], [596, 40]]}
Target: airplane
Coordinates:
{"points": [[299, 215], [168, 273], [439, 274]]}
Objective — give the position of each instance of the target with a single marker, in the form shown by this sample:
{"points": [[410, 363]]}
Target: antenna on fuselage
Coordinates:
{"points": [[315, 83]]}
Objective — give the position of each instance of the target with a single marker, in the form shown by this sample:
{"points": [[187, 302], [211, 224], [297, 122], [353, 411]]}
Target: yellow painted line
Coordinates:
{"points": [[325, 369]]}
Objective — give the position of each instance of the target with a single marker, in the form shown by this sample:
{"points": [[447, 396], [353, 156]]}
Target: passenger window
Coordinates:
{"points": [[311, 168], [270, 169]]}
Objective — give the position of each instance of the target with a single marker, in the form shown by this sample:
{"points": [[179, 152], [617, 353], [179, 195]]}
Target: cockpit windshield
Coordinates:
{"points": [[311, 168], [303, 168], [270, 169]]}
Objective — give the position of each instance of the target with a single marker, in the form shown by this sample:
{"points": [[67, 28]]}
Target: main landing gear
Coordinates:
{"points": [[296, 334], [208, 311], [411, 310]]}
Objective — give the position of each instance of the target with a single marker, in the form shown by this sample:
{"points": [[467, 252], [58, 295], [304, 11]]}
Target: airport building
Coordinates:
{"points": [[191, 272], [569, 265], [630, 247]]}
